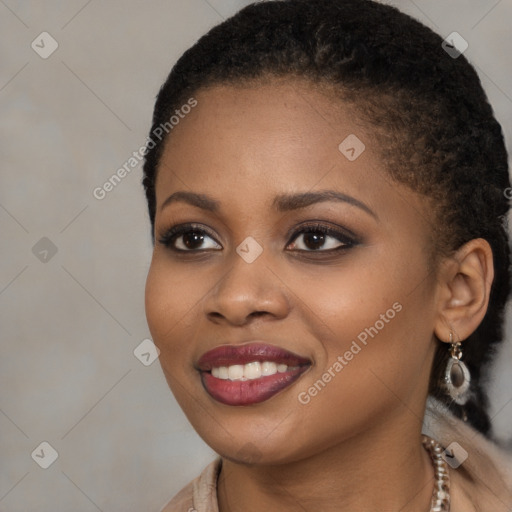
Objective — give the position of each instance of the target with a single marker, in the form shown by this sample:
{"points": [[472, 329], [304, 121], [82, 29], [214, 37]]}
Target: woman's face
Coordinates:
{"points": [[310, 338]]}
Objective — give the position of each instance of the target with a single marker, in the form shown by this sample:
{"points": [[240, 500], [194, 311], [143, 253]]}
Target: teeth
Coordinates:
{"points": [[268, 368], [249, 371], [252, 370], [235, 372]]}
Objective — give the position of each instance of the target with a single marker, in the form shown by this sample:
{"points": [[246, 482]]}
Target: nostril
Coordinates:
{"points": [[258, 313]]}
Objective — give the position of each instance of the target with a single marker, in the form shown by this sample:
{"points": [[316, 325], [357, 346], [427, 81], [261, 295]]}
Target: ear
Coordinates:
{"points": [[464, 286]]}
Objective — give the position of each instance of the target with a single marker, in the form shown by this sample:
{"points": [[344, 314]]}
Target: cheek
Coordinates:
{"points": [[169, 304], [378, 316], [378, 352], [158, 303], [352, 298]]}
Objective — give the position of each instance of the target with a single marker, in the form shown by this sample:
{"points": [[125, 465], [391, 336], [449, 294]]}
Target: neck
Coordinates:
{"points": [[385, 468]]}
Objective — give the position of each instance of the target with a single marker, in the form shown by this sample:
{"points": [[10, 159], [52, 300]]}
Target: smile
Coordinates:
{"points": [[249, 374]]}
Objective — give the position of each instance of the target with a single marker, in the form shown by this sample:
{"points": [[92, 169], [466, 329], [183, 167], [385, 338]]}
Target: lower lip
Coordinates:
{"points": [[248, 392]]}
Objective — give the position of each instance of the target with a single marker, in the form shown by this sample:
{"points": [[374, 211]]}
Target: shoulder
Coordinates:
{"points": [[182, 502], [480, 472], [200, 495]]}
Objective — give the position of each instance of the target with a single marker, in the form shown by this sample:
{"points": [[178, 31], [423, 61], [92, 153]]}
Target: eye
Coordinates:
{"points": [[316, 236], [312, 238], [192, 237]]}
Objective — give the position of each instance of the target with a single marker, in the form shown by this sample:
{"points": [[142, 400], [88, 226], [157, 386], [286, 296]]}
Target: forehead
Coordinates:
{"points": [[286, 131], [244, 147]]}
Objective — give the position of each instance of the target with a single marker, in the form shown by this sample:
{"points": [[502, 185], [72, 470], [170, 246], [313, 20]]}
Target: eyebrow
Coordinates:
{"points": [[282, 203]]}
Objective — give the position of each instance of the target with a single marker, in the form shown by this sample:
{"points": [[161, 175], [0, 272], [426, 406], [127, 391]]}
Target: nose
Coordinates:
{"points": [[247, 291]]}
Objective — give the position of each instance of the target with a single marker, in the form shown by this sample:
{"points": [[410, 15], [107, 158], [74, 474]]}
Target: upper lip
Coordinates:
{"points": [[228, 355]]}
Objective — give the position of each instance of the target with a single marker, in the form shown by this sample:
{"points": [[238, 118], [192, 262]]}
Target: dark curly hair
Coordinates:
{"points": [[427, 109]]}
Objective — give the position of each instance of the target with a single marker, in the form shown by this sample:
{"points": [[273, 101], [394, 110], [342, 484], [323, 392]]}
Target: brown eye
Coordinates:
{"points": [[320, 238], [187, 238], [192, 239]]}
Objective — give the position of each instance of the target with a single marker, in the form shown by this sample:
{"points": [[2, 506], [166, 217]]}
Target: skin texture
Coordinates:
{"points": [[243, 146]]}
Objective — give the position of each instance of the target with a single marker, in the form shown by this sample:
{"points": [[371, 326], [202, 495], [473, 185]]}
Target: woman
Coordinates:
{"points": [[330, 262]]}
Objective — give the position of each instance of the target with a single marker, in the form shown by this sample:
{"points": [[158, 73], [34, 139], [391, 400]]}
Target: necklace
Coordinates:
{"points": [[441, 494]]}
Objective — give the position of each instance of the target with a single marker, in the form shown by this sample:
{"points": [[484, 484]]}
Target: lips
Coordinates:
{"points": [[268, 370]]}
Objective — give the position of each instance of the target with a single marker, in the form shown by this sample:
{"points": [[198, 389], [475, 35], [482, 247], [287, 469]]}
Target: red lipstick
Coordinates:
{"points": [[276, 370]]}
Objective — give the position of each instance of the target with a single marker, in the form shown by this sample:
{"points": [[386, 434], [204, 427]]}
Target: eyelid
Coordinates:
{"points": [[344, 235], [178, 230], [333, 230]]}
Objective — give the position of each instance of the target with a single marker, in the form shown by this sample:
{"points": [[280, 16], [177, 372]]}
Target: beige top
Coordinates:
{"points": [[483, 483]]}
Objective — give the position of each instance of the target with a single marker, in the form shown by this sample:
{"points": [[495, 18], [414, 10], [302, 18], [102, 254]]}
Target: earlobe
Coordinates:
{"points": [[464, 289]]}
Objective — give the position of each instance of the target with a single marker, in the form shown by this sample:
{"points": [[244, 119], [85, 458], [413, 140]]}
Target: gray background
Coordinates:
{"points": [[70, 321]]}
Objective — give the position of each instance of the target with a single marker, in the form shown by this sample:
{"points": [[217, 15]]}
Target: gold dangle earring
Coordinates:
{"points": [[457, 378]]}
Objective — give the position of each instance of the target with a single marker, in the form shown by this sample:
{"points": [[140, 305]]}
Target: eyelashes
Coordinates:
{"points": [[192, 237], [169, 238]]}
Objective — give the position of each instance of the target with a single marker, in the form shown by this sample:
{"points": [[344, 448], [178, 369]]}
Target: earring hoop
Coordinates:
{"points": [[457, 378]]}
